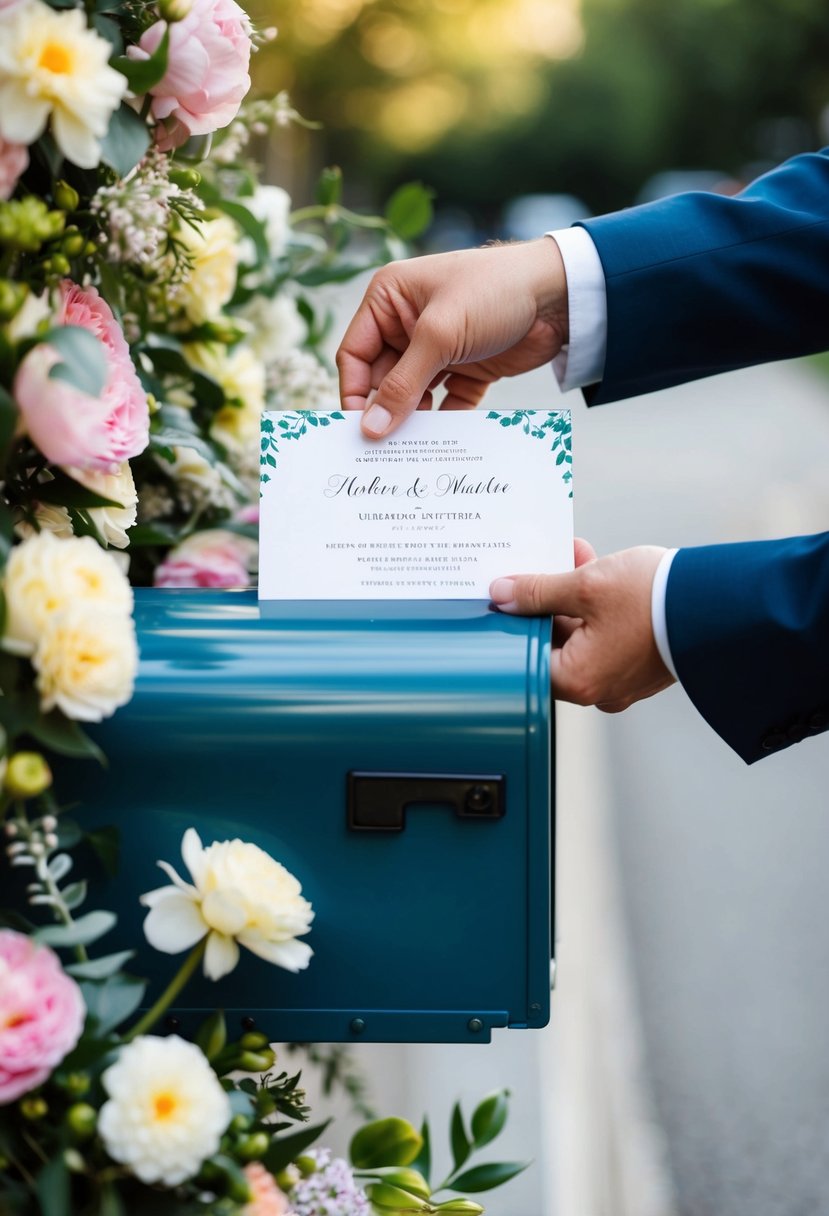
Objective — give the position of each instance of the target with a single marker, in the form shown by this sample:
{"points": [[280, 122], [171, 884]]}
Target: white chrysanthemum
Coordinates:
{"points": [[45, 576], [276, 326], [239, 895], [86, 660], [53, 65], [213, 247], [166, 1110], [112, 522]]}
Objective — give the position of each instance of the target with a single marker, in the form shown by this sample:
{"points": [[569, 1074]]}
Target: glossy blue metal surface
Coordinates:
{"points": [[246, 723]]}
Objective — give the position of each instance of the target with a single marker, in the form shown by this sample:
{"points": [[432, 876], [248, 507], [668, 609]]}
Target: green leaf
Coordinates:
{"points": [[142, 74], [489, 1117], [395, 1201], [110, 30], [74, 895], [126, 140], [461, 1146], [110, 1202], [106, 842], [8, 423], [53, 1187], [100, 968], [113, 1000], [154, 534], [83, 360], [212, 1034], [423, 1161], [64, 736], [249, 224], [330, 186], [459, 1207], [409, 210], [384, 1142], [284, 1149], [82, 932], [485, 1177], [336, 272]]}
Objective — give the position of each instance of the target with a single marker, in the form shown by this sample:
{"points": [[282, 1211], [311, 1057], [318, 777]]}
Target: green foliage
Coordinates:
{"points": [[83, 363], [126, 140], [409, 210]]}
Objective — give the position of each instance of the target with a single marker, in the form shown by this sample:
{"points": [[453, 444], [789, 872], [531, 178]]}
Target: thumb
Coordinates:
{"points": [[539, 594], [401, 391]]}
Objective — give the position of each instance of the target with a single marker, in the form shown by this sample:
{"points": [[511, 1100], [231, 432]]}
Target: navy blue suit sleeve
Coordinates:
{"points": [[749, 631], [699, 284]]}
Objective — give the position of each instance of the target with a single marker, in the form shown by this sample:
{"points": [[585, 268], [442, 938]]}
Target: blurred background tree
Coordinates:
{"points": [[489, 99]]}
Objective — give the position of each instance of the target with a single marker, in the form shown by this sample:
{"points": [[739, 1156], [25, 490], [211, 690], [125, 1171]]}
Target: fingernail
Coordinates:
{"points": [[502, 593], [376, 420]]}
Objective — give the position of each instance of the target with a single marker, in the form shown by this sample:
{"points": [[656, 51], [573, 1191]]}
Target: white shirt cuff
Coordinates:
{"points": [[581, 362], [659, 623]]}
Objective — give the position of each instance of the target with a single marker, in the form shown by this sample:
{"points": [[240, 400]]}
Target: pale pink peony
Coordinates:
{"points": [[71, 427], [14, 160], [266, 1197], [213, 558], [41, 1014], [207, 73]]}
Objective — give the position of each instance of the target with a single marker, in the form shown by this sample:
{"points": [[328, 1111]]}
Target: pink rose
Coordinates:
{"points": [[69, 426], [266, 1197], [14, 160], [213, 558], [207, 73], [41, 1014]]}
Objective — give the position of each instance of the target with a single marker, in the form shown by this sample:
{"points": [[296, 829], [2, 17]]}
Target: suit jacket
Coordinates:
{"points": [[700, 284]]}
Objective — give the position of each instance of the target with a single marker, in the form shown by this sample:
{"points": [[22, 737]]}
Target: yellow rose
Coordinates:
{"points": [[44, 576], [86, 662], [213, 246], [242, 378]]}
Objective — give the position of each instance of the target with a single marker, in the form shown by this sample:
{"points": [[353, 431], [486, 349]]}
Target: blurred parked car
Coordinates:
{"points": [[531, 215], [678, 181]]}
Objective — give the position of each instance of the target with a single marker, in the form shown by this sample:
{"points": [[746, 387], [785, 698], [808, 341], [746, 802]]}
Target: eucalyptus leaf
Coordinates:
{"points": [[126, 140], [82, 932], [83, 359], [59, 866], [112, 1000], [100, 968], [74, 895]]}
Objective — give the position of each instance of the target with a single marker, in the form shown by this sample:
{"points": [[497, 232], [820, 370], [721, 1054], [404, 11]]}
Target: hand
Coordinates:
{"points": [[604, 652], [466, 318]]}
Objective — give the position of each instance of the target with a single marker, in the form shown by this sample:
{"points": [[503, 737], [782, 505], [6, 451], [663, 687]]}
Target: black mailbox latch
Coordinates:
{"points": [[377, 802]]}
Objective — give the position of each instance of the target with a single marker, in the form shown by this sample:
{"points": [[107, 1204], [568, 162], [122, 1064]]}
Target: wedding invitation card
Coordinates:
{"points": [[448, 503]]}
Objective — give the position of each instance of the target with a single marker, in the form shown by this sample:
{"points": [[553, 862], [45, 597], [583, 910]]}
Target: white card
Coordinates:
{"points": [[449, 502]]}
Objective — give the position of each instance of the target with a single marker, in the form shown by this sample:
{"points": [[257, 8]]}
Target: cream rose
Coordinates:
{"points": [[242, 378], [112, 522], [86, 661], [45, 576], [213, 247]]}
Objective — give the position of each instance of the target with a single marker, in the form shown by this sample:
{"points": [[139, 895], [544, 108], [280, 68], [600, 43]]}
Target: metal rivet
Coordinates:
{"points": [[535, 1007], [357, 1025], [475, 1025], [172, 1023], [248, 1023]]}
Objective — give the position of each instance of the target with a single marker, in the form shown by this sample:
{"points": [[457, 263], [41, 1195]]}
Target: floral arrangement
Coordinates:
{"points": [[155, 296]]}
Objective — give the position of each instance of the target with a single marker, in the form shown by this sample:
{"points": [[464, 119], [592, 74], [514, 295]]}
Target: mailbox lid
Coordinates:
{"points": [[249, 722]]}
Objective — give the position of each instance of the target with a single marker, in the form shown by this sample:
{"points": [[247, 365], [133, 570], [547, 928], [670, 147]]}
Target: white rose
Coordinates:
{"points": [[86, 661], [49, 518], [112, 522], [276, 326], [198, 482], [239, 895], [272, 206], [166, 1110], [45, 576]]}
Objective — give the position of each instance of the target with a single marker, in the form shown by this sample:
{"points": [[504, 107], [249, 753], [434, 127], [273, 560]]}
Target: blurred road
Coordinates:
{"points": [[723, 867]]}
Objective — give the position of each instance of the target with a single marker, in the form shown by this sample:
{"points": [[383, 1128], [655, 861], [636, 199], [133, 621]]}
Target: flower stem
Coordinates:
{"points": [[170, 992]]}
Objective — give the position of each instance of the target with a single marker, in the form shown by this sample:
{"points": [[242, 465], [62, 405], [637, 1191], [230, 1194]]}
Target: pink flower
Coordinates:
{"points": [[69, 426], [266, 1197], [248, 514], [41, 1014], [207, 73], [14, 160], [213, 558]]}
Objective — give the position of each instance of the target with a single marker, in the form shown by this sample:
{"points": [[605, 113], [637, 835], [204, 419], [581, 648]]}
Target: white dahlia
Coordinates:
{"points": [[166, 1110]]}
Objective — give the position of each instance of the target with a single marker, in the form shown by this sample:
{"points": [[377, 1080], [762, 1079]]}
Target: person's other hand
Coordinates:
{"points": [[464, 318], [604, 652]]}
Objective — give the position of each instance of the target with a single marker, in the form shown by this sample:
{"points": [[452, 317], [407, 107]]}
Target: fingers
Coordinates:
{"points": [[540, 594], [402, 389], [583, 551]]}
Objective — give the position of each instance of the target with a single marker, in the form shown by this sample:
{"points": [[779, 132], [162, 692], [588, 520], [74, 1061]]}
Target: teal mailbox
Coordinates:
{"points": [[396, 758]]}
